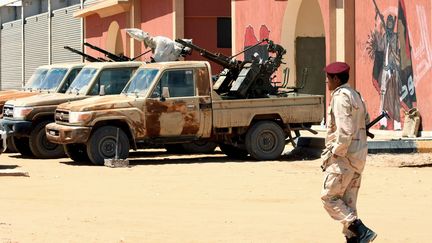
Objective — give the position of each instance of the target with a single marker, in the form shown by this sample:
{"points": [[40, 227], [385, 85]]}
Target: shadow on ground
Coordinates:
{"points": [[161, 157], [8, 167], [415, 166]]}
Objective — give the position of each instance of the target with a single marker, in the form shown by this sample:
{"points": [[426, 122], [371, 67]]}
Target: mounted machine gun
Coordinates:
{"points": [[112, 56], [86, 56], [244, 79]]}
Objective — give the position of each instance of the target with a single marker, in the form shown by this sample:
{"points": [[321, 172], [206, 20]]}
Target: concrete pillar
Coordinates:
{"points": [[178, 19]]}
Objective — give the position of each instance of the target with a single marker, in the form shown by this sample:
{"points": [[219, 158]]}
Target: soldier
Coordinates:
{"points": [[345, 154]]}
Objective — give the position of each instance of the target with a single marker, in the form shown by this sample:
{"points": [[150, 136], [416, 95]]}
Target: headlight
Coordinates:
{"points": [[21, 112], [79, 117]]}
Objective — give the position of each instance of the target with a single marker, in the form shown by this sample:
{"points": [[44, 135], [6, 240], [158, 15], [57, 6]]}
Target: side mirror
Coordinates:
{"points": [[102, 90], [165, 93]]}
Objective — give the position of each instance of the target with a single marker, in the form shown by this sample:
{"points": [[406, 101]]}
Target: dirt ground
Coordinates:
{"points": [[207, 198]]}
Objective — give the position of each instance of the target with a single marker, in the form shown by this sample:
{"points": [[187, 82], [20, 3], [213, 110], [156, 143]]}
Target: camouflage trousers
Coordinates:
{"points": [[339, 194]]}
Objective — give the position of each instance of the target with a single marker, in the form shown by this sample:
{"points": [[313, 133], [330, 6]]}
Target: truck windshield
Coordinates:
{"points": [[141, 82], [36, 79], [82, 81], [53, 79]]}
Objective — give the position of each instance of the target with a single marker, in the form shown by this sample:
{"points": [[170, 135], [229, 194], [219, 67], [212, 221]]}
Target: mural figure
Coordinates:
{"points": [[392, 72]]}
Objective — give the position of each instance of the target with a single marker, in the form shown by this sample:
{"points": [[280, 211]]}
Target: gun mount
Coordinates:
{"points": [[86, 56], [112, 56], [244, 79]]}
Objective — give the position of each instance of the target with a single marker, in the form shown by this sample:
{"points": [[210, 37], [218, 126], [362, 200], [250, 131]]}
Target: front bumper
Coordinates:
{"points": [[62, 134], [3, 137], [17, 128]]}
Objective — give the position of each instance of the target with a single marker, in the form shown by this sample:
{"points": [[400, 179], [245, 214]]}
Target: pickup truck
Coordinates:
{"points": [[54, 78], [25, 119], [173, 102]]}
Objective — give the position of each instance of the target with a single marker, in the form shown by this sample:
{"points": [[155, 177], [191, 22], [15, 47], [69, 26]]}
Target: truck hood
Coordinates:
{"points": [[99, 103], [5, 96], [45, 99]]}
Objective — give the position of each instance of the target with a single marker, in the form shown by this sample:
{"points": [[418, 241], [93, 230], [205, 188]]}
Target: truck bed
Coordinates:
{"points": [[301, 108]]}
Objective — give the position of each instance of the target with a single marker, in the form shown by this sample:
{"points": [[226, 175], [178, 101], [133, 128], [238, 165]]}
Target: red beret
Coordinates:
{"points": [[337, 67]]}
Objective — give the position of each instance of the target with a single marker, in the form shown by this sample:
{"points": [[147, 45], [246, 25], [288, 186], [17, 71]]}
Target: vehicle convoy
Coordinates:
{"points": [[175, 102], [25, 119]]}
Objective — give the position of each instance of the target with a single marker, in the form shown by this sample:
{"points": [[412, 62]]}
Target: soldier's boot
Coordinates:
{"points": [[363, 233], [351, 240]]}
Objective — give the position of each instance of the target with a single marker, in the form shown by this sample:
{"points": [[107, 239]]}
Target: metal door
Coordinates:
{"points": [[66, 31], [36, 49], [11, 55]]}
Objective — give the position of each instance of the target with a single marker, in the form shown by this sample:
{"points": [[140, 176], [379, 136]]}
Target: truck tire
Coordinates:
{"points": [[41, 147], [265, 140], [102, 145], [76, 152], [22, 146], [199, 147], [233, 152], [10, 143]]}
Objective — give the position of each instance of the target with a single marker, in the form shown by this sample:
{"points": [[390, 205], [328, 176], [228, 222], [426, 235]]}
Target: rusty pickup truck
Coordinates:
{"points": [[172, 103], [24, 119]]}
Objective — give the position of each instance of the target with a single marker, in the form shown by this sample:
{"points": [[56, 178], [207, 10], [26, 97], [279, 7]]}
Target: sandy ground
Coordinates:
{"points": [[206, 198]]}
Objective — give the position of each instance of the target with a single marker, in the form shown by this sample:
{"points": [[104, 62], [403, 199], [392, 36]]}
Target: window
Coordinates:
{"points": [[179, 83], [114, 80], [69, 80], [224, 32]]}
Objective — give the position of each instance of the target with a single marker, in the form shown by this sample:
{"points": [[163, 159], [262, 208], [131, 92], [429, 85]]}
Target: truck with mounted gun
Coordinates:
{"points": [[174, 103], [24, 119]]}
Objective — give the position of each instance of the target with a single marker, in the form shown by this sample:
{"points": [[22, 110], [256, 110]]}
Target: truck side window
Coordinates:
{"points": [[69, 80], [114, 80], [180, 83]]}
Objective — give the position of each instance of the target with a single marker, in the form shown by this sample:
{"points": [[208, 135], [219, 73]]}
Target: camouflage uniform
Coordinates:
{"points": [[345, 155]]}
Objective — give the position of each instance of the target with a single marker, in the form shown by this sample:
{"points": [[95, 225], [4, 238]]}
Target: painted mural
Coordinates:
{"points": [[390, 49], [251, 39]]}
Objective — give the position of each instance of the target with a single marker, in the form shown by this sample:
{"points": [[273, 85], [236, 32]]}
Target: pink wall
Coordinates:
{"points": [[255, 13], [96, 30], [201, 26], [157, 19]]}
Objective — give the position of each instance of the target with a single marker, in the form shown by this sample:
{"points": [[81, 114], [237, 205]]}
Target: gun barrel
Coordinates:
{"points": [[112, 56], [218, 58], [86, 56]]}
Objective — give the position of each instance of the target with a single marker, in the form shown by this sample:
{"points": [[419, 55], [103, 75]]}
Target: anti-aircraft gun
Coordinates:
{"points": [[244, 79], [86, 56], [112, 56]]}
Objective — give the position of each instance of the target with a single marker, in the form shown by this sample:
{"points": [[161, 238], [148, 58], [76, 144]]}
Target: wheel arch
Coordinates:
{"points": [[122, 124]]}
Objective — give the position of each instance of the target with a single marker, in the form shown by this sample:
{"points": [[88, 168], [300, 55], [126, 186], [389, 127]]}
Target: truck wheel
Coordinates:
{"points": [[10, 143], [41, 147], [22, 146], [233, 152], [199, 147], [265, 140], [102, 145], [77, 152]]}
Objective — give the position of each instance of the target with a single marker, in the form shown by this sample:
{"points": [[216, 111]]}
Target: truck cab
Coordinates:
{"points": [[25, 119], [173, 103]]}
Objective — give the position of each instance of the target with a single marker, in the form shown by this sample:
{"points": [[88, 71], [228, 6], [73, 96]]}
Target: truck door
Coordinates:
{"points": [[173, 108]]}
